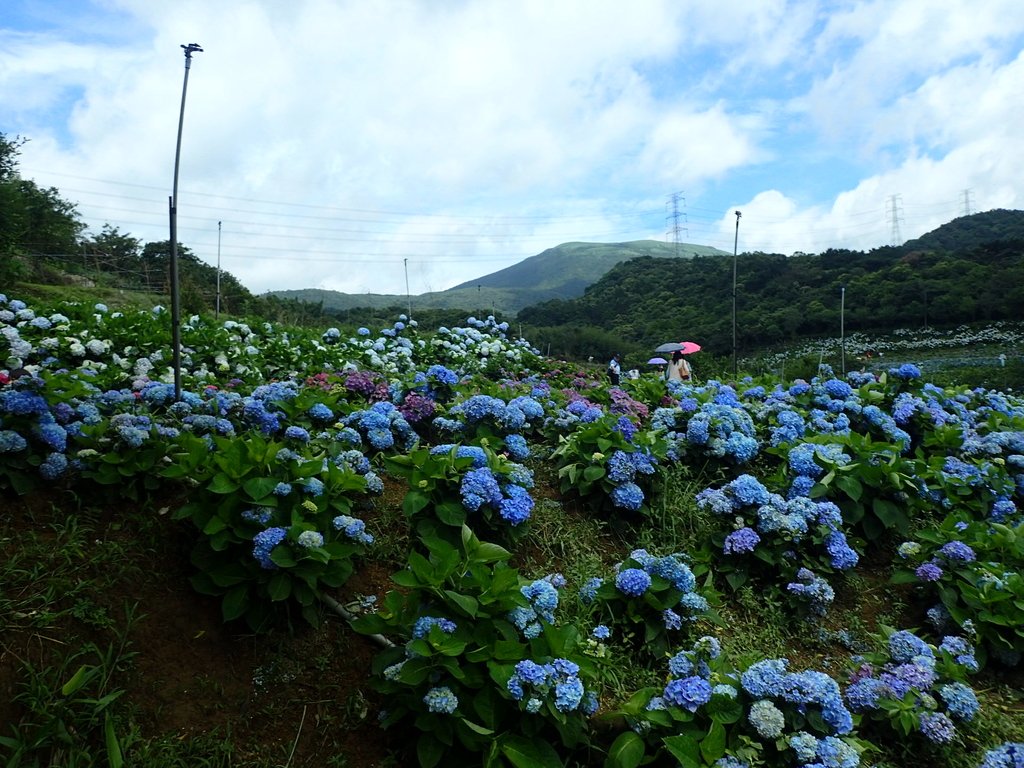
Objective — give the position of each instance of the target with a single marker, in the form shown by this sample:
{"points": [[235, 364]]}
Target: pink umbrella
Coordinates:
{"points": [[686, 347]]}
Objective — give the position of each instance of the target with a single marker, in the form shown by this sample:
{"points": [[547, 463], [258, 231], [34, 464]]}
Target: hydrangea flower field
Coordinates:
{"points": [[283, 441]]}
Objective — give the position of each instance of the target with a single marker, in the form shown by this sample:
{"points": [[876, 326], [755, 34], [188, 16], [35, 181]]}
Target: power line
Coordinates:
{"points": [[371, 211]]}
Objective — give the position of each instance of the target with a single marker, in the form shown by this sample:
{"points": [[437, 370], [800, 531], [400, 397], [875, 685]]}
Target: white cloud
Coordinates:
{"points": [[338, 139]]}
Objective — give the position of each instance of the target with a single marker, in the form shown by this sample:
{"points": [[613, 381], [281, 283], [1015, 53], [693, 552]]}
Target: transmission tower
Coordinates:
{"points": [[895, 214], [965, 198], [676, 228]]}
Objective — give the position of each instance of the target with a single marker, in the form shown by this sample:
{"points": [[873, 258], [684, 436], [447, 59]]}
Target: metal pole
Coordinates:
{"points": [[408, 296], [842, 324], [735, 251], [217, 314], [175, 299]]}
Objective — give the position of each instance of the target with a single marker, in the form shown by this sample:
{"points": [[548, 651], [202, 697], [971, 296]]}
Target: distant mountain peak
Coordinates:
{"points": [[562, 272]]}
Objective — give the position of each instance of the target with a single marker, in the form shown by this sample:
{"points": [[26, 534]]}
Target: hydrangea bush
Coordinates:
{"points": [[609, 463], [711, 712], [275, 528], [649, 604], [972, 571], [481, 667], [914, 687]]}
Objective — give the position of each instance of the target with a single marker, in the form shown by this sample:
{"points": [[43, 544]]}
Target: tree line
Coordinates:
{"points": [[43, 239], [785, 299]]}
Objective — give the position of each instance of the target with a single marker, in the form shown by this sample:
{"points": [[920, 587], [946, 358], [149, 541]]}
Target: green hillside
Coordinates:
{"points": [[971, 231], [569, 268], [562, 272], [782, 299]]}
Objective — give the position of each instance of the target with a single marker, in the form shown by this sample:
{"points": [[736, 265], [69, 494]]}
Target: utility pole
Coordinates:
{"points": [[674, 198], [735, 251], [175, 299], [895, 216], [217, 313]]}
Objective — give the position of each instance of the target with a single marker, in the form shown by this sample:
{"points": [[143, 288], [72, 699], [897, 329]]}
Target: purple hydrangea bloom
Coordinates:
{"points": [[937, 727], [957, 551], [928, 572], [740, 542]]}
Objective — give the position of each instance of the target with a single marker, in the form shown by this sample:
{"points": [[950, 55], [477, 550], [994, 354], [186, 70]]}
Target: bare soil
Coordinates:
{"points": [[300, 698]]}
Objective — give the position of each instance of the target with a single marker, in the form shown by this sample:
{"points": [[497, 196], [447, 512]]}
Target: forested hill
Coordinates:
{"points": [[969, 232], [781, 299]]}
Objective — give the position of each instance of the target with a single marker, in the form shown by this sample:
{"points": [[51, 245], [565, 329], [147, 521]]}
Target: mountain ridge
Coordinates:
{"points": [[561, 272]]}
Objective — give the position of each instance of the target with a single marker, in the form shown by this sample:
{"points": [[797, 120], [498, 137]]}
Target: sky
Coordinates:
{"points": [[407, 146]]}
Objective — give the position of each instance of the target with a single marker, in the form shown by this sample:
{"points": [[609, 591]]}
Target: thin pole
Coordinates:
{"points": [[217, 314], [408, 296], [842, 324], [175, 298], [735, 251]]}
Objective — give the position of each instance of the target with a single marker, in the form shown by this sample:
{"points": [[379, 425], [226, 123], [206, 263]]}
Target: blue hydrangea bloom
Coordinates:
{"points": [[747, 490], [480, 487], [517, 505], [1006, 755], [764, 678], [424, 624], [264, 542], [588, 592], [766, 718], [353, 528], [628, 496], [961, 702], [689, 693], [633, 582], [441, 700]]}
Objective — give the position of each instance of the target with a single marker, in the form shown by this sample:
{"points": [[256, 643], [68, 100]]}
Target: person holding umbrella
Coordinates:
{"points": [[679, 368]]}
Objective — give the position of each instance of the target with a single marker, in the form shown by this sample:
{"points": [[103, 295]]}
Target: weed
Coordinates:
{"points": [[757, 625], [68, 716], [675, 524], [209, 750]]}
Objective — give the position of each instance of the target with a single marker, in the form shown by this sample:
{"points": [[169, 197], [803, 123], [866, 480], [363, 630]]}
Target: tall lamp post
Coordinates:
{"points": [[217, 313], [735, 251], [408, 296], [175, 299], [842, 325]]}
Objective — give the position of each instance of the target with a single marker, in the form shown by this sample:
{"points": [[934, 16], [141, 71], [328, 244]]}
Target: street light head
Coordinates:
{"points": [[738, 214], [192, 48]]}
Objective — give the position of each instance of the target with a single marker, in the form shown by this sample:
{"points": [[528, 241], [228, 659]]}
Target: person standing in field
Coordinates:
{"points": [[614, 369], [678, 368]]}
